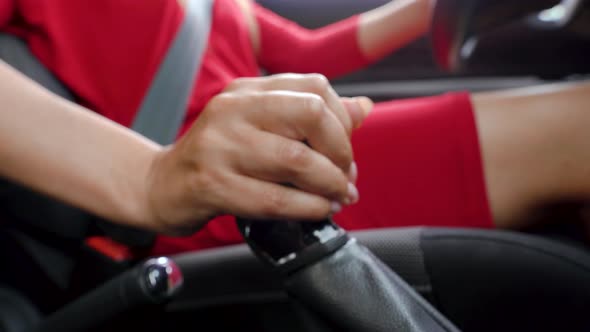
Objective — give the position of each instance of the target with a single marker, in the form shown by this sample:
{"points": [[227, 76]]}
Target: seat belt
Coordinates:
{"points": [[164, 106]]}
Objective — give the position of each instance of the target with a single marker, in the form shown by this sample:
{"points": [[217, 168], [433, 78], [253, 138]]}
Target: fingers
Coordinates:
{"points": [[302, 117], [353, 173], [276, 147], [277, 159], [358, 109], [316, 84], [350, 111], [258, 199]]}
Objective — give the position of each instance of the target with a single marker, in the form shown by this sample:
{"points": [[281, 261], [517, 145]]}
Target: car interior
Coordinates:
{"points": [[410, 279]]}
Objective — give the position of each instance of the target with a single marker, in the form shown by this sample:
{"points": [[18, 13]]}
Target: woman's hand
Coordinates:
{"points": [[257, 135], [251, 140]]}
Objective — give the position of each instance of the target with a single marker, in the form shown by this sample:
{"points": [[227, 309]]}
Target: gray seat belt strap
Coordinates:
{"points": [[163, 108]]}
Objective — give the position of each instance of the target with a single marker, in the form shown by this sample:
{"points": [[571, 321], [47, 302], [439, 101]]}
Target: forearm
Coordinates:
{"points": [[61, 149], [284, 46], [392, 26], [341, 47]]}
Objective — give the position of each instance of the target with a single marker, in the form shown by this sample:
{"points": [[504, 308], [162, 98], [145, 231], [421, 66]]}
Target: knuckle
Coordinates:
{"points": [[274, 200], [287, 76], [293, 154], [319, 83], [222, 101], [316, 108], [272, 101], [238, 84]]}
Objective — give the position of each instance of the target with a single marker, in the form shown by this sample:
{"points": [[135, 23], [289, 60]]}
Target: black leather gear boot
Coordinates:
{"points": [[340, 280]]}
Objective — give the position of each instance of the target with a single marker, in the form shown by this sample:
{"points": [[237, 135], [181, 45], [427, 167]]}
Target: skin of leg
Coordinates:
{"points": [[535, 145]]}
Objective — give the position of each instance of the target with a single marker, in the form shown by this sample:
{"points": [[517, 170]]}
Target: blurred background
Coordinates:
{"points": [[518, 54]]}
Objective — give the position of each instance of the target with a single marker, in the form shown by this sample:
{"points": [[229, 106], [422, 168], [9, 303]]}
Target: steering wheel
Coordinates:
{"points": [[458, 25]]}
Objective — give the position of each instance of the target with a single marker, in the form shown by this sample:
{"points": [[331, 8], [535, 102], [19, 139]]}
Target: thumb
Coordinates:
{"points": [[358, 109]]}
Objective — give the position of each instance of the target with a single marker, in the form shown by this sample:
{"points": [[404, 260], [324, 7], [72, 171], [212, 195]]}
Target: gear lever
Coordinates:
{"points": [[333, 275]]}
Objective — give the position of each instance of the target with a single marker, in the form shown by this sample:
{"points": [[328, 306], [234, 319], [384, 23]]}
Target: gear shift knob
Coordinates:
{"points": [[291, 245]]}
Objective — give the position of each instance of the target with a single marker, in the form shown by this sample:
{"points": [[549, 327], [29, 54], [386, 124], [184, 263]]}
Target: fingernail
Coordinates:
{"points": [[353, 172], [353, 193], [336, 207], [365, 104]]}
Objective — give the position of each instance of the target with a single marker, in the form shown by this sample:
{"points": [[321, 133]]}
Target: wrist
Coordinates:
{"points": [[138, 207]]}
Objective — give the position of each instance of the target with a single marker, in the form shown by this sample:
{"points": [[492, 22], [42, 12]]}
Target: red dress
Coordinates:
{"points": [[419, 159]]}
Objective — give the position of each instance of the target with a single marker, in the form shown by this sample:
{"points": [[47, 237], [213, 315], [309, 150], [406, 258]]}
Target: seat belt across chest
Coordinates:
{"points": [[164, 106]]}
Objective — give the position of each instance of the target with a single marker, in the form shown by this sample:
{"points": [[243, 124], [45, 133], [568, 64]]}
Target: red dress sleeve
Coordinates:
{"points": [[287, 47]]}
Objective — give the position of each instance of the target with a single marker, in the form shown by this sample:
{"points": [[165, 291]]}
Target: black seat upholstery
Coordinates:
{"points": [[481, 280]]}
